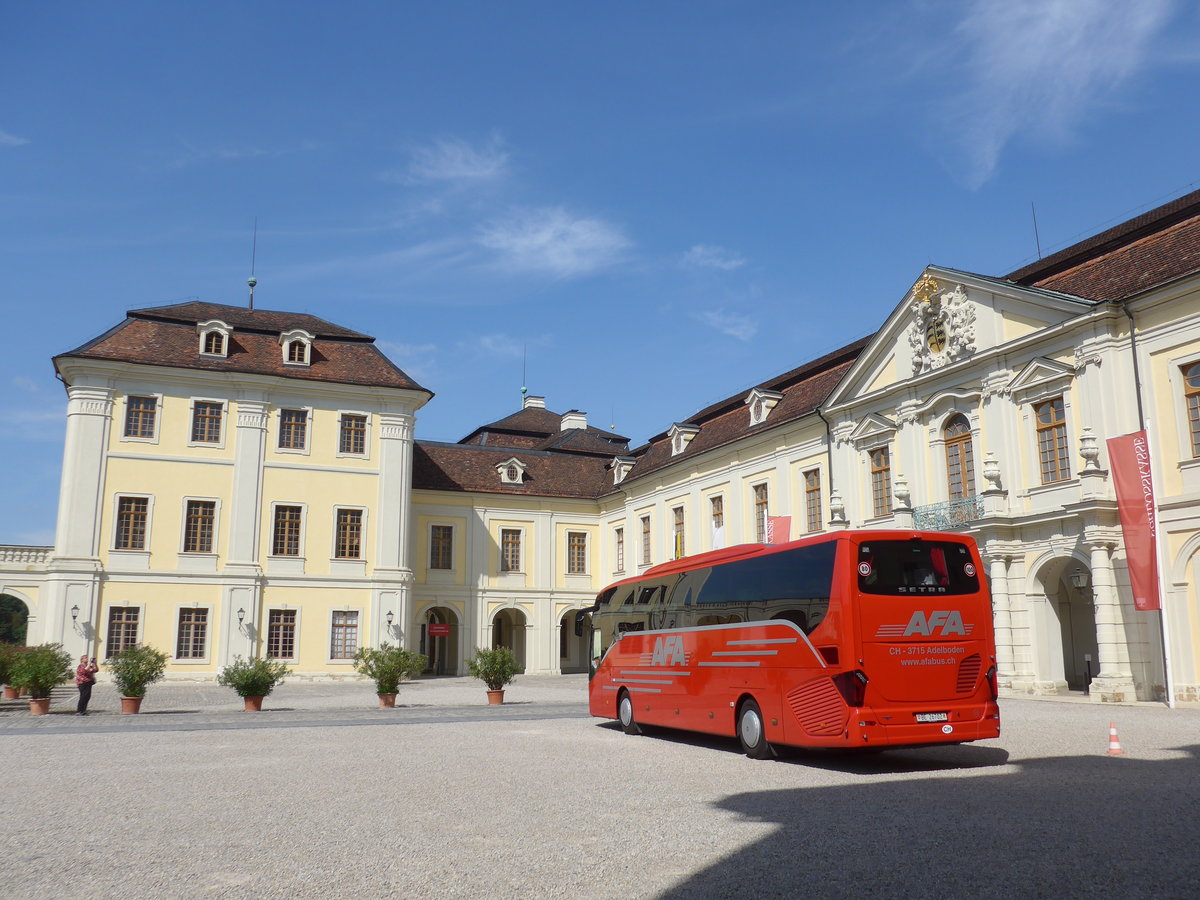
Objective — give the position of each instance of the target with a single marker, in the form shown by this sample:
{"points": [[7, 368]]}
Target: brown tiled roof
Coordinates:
{"points": [[803, 389], [166, 336], [533, 421], [1146, 251], [470, 467]]}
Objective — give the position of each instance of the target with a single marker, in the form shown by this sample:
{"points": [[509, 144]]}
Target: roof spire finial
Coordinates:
{"points": [[524, 360], [252, 281]]}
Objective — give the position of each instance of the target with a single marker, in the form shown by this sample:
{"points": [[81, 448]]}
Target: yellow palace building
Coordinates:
{"points": [[239, 481]]}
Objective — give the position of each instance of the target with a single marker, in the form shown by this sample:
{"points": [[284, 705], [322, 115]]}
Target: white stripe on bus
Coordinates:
{"points": [[729, 664], [762, 641], [745, 653]]}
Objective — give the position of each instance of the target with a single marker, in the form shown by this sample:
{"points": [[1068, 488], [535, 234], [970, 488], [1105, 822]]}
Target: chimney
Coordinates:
{"points": [[534, 402], [574, 419]]}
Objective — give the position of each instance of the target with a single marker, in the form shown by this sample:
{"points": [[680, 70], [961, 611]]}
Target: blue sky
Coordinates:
{"points": [[657, 205]]}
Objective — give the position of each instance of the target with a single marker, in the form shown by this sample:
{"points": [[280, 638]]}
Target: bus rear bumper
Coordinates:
{"points": [[864, 730]]}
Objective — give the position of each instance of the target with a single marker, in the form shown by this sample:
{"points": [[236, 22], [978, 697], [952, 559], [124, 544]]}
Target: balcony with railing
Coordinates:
{"points": [[14, 555], [953, 515]]}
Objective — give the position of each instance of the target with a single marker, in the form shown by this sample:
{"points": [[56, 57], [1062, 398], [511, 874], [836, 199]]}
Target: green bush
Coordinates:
{"points": [[134, 668], [255, 677], [495, 668], [388, 665], [8, 659], [40, 669]]}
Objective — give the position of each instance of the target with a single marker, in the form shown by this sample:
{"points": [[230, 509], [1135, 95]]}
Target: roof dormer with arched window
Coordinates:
{"points": [[214, 338], [511, 471], [297, 347]]}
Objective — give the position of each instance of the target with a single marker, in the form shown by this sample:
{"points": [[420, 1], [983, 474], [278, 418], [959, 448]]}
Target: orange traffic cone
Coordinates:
{"points": [[1114, 742]]}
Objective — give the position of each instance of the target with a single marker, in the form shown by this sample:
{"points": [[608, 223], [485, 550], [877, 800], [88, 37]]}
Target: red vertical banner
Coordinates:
{"points": [[779, 529], [1129, 458]]}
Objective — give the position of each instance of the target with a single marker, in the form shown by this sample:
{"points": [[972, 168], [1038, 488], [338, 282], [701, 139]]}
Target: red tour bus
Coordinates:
{"points": [[864, 639]]}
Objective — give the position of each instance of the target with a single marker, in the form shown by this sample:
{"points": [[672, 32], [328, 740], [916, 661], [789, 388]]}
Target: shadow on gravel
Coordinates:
{"points": [[875, 762], [1079, 826]]}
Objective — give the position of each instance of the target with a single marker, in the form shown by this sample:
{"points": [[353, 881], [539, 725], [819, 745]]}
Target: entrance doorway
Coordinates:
{"points": [[508, 630], [1077, 624], [14, 620], [439, 643], [572, 649]]}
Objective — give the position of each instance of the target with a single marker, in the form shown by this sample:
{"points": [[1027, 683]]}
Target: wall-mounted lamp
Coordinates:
{"points": [[241, 616], [74, 612], [390, 616], [1079, 578]]}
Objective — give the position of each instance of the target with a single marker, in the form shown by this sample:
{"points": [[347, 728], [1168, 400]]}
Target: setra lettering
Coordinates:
{"points": [[668, 651], [950, 621]]}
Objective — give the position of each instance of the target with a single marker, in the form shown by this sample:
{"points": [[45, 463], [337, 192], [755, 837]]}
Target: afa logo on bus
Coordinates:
{"points": [[668, 651], [944, 622]]}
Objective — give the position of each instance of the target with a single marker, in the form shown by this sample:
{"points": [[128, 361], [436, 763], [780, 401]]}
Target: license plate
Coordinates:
{"points": [[933, 717]]}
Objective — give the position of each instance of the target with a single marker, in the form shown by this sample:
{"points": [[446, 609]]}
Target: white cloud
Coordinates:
{"points": [[707, 256], [453, 159], [11, 140], [1042, 66], [741, 327], [554, 242]]}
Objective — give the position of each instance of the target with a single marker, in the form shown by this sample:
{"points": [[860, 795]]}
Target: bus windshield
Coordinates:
{"points": [[916, 566]]}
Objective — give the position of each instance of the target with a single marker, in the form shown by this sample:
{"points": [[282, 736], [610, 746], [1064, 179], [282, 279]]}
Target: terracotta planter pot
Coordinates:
{"points": [[131, 705], [253, 704], [39, 706], [11, 693], [495, 698], [387, 701]]}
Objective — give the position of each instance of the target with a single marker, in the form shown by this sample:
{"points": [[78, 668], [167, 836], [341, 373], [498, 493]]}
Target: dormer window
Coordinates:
{"points": [[681, 436], [297, 347], [620, 466], [761, 402], [214, 338], [511, 471]]}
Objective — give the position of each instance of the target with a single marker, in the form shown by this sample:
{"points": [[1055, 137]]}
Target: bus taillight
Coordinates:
{"points": [[853, 686], [993, 684]]}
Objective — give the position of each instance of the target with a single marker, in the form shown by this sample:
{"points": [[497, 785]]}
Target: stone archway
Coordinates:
{"points": [[572, 648], [1073, 648], [14, 620], [440, 642], [508, 630]]}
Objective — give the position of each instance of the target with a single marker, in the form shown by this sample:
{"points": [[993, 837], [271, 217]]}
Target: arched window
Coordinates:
{"points": [[960, 458]]}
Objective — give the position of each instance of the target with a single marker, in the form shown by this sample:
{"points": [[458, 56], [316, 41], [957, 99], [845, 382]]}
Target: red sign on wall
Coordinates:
{"points": [[1129, 457], [437, 629]]}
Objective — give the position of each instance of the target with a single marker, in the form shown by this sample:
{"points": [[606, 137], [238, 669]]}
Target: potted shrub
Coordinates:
{"points": [[39, 670], [387, 666], [8, 658], [133, 670], [253, 679], [495, 668]]}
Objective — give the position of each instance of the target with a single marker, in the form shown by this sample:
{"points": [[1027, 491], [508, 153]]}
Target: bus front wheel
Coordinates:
{"points": [[625, 714], [751, 732]]}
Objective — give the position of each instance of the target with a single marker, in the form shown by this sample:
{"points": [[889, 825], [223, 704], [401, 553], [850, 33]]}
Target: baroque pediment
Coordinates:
{"points": [[943, 324]]}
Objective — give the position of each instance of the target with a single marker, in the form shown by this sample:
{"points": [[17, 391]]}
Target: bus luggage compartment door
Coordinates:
{"points": [[919, 671]]}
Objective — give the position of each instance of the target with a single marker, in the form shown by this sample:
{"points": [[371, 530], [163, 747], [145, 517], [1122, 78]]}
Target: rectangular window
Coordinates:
{"points": [[131, 523], [281, 634], [1052, 440], [140, 413], [343, 640], [760, 513], [214, 343], [718, 512], [293, 429], [510, 550], [881, 481], [285, 538], [192, 637], [677, 531], [198, 526], [576, 553], [206, 422], [619, 537], [353, 435], [645, 540], [812, 499], [441, 547], [349, 534], [122, 629]]}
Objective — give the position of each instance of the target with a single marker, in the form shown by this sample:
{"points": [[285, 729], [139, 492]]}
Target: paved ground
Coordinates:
{"points": [[322, 795]]}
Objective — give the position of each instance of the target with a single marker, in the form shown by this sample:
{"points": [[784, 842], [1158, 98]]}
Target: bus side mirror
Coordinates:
{"points": [[579, 617]]}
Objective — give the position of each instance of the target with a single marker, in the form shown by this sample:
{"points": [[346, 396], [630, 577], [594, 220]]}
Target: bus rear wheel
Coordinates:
{"points": [[625, 714], [751, 733]]}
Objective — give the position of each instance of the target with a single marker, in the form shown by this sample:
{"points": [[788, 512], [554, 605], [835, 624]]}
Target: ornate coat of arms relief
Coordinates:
{"points": [[943, 329]]}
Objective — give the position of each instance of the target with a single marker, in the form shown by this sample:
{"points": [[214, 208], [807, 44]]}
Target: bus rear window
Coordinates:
{"points": [[916, 567]]}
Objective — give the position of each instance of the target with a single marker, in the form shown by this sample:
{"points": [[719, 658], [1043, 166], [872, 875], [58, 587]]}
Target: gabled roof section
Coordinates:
{"points": [[536, 426], [472, 468], [1147, 251], [802, 390], [166, 336]]}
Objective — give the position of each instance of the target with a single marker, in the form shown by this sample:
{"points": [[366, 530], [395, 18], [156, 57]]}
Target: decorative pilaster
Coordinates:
{"points": [[89, 412], [246, 503], [1113, 684], [997, 563]]}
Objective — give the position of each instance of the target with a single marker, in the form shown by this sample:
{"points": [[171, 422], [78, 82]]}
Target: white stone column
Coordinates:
{"points": [[81, 493], [1114, 683], [1001, 616], [246, 504], [392, 572]]}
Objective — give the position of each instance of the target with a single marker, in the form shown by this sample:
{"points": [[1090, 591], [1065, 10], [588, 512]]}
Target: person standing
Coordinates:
{"points": [[85, 677]]}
